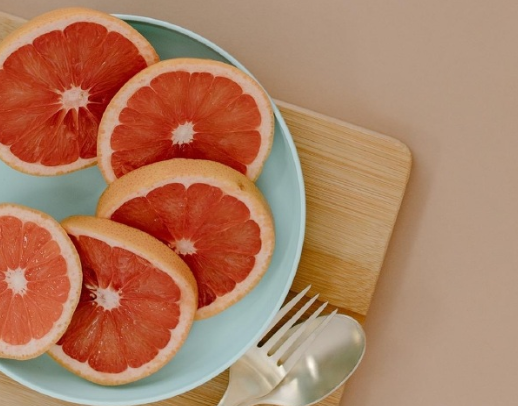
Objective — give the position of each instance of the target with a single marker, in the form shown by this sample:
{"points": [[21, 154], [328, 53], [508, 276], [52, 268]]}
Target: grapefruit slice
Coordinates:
{"points": [[187, 108], [40, 281], [137, 304], [57, 74], [212, 216]]}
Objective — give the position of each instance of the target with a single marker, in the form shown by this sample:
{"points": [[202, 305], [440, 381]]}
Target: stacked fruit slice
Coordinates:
{"points": [[212, 216], [136, 308], [181, 232]]}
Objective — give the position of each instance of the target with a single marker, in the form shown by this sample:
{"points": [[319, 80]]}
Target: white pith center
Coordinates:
{"points": [[107, 298], [15, 279], [74, 98], [185, 247], [183, 134]]}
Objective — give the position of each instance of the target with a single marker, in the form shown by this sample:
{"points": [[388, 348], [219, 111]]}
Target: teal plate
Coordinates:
{"points": [[213, 344]]}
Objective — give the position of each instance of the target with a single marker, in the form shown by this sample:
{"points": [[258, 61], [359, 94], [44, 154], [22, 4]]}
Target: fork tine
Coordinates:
{"points": [[297, 354], [305, 326], [285, 309], [279, 333]]}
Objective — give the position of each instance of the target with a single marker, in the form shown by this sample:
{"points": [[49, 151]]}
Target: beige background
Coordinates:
{"points": [[441, 76]]}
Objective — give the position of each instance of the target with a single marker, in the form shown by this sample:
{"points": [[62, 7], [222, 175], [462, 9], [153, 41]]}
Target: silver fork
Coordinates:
{"points": [[264, 366]]}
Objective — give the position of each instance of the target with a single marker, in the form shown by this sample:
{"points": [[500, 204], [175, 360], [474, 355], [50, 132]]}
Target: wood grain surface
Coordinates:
{"points": [[355, 181]]}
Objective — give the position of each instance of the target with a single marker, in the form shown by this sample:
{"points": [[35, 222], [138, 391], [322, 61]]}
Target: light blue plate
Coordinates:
{"points": [[213, 344]]}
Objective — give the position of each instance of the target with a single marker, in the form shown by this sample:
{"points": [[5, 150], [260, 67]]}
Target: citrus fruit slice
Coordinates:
{"points": [[187, 108], [40, 281], [137, 304], [212, 216], [57, 74]]}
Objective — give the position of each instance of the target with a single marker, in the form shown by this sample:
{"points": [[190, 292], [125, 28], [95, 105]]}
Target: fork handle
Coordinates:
{"points": [[244, 391]]}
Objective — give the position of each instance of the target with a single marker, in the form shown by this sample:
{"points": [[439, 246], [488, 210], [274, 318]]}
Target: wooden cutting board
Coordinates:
{"points": [[355, 181]]}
